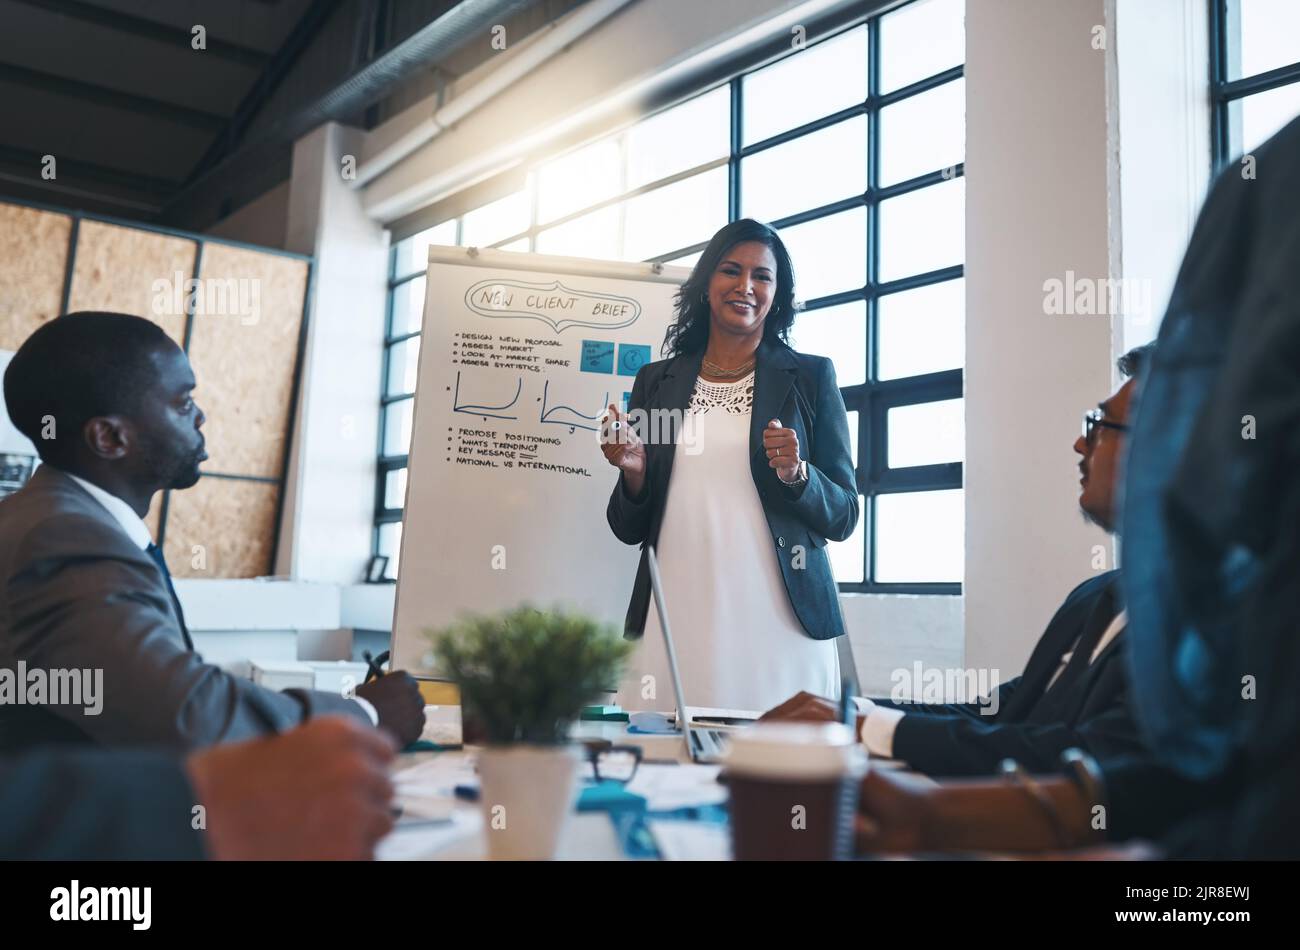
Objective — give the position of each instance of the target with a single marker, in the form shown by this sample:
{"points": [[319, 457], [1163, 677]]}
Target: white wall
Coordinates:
{"points": [[1037, 148], [330, 496], [234, 621]]}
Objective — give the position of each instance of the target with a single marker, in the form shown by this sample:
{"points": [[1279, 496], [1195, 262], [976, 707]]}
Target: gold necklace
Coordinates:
{"points": [[713, 369]]}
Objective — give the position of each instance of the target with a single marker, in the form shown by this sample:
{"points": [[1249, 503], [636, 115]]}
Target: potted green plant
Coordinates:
{"points": [[524, 677]]}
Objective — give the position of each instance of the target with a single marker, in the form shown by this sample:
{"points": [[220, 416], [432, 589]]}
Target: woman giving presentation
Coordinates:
{"points": [[739, 495]]}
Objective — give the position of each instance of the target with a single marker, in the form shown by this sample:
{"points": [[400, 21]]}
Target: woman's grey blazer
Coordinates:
{"points": [[801, 391]]}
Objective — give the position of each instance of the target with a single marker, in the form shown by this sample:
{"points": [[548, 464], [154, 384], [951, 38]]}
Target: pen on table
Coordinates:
{"points": [[373, 669]]}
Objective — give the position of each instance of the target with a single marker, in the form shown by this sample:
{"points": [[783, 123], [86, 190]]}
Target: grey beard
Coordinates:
{"points": [[1090, 518]]}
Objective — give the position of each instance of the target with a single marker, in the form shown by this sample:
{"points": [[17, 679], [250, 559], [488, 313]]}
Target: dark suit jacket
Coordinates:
{"points": [[1034, 724], [75, 594], [95, 804], [1210, 526], [801, 391]]}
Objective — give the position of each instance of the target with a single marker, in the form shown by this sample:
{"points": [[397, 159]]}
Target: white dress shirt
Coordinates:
{"points": [[138, 532], [879, 722], [122, 513]]}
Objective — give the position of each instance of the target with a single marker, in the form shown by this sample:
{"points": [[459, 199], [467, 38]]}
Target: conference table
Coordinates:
{"points": [[437, 825]]}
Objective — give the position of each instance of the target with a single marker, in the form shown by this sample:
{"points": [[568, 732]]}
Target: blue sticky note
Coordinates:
{"points": [[627, 398], [609, 796], [631, 357], [597, 356]]}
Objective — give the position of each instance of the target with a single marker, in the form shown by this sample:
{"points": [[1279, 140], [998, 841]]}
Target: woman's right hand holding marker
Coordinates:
{"points": [[623, 449]]}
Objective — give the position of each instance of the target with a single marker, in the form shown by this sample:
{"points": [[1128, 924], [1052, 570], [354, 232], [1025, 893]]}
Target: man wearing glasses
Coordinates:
{"points": [[1073, 693]]}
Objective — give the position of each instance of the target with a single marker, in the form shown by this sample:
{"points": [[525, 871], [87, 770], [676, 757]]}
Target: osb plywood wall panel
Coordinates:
{"points": [[232, 523], [33, 261], [244, 357], [116, 269]]}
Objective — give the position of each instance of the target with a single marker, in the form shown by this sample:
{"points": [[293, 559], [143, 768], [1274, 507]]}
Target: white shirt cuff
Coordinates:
{"points": [[878, 727], [370, 709]]}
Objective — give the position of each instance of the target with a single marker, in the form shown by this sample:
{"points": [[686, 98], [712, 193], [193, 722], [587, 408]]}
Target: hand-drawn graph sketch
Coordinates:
{"points": [[560, 414], [484, 410]]}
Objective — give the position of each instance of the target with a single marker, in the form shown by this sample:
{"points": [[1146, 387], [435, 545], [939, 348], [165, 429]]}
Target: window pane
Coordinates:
{"points": [[807, 85], [811, 171], [926, 434], [923, 230], [921, 331], [829, 254], [520, 246], [395, 488], [413, 253], [390, 545], [497, 220], [579, 180], [848, 557], [397, 427], [677, 215], [923, 133], [403, 360], [408, 307], [839, 333], [592, 235], [919, 40], [920, 537], [690, 260], [1257, 118], [1270, 35], [695, 132]]}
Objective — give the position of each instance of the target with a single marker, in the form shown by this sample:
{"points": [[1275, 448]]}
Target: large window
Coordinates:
{"points": [[852, 148], [1254, 72]]}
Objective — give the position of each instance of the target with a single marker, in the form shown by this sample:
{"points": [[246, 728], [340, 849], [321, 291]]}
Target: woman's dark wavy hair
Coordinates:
{"points": [[690, 331]]}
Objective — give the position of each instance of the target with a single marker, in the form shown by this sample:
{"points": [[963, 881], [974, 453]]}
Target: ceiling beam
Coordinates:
{"points": [[87, 171], [112, 98], [148, 29], [64, 195], [281, 63]]}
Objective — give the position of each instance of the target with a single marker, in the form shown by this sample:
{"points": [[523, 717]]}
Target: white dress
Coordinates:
{"points": [[738, 642]]}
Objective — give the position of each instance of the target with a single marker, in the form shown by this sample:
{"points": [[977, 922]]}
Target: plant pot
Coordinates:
{"points": [[527, 793]]}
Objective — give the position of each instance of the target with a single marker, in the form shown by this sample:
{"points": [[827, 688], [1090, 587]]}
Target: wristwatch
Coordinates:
{"points": [[800, 479]]}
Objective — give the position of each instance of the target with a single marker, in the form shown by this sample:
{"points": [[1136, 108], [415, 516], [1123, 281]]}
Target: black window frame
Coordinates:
{"points": [[871, 399], [1224, 91]]}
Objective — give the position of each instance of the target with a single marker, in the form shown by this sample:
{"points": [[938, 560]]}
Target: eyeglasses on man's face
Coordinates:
{"points": [[1095, 419]]}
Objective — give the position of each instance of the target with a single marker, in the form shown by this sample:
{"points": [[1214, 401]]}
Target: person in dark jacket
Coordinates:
{"points": [[1074, 690], [320, 791], [1212, 539]]}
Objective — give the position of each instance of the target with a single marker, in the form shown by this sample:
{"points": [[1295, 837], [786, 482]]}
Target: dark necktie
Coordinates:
{"points": [[1098, 622], [156, 553]]}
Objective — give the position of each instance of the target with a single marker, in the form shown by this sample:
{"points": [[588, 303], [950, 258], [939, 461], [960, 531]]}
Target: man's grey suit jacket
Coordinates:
{"points": [[76, 593]]}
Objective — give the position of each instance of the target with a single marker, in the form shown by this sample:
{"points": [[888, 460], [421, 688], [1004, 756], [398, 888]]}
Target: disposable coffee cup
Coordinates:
{"points": [[794, 791]]}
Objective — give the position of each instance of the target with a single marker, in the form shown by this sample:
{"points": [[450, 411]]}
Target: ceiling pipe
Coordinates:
{"points": [[557, 37]]}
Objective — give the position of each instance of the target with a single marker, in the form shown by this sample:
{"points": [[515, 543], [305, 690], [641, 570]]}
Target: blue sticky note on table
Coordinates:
{"points": [[609, 796], [631, 357], [597, 356]]}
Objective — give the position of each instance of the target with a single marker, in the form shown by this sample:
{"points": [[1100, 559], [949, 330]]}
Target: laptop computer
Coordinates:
{"points": [[705, 745]]}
